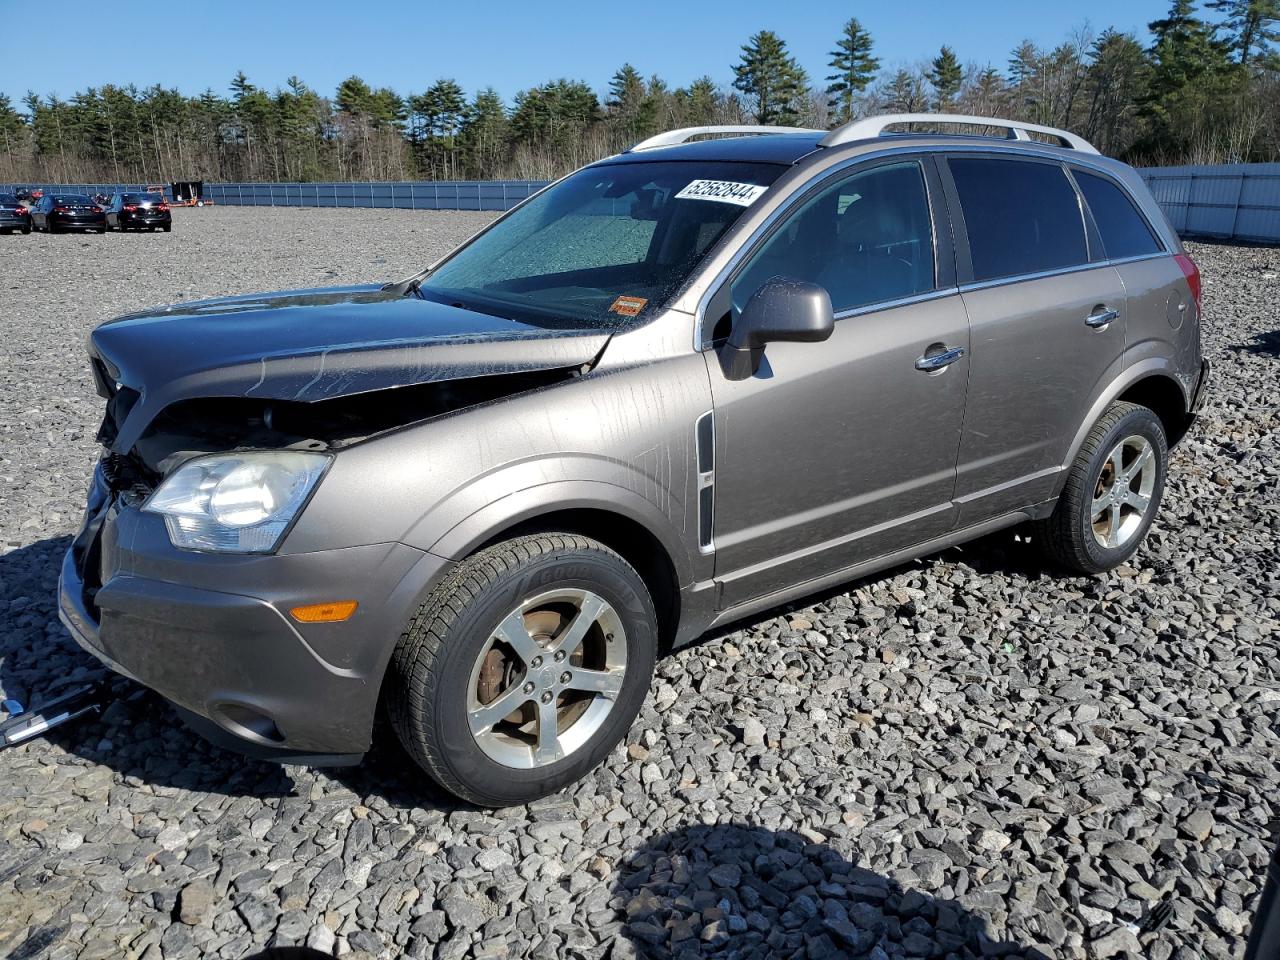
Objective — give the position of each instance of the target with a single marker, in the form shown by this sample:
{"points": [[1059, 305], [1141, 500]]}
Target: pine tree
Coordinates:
{"points": [[1115, 84], [946, 77], [770, 76], [905, 93], [485, 134], [1253, 27], [854, 67], [630, 106]]}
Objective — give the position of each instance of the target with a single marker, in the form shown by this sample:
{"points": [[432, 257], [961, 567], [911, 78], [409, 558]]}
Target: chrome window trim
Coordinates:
{"points": [[899, 302], [713, 285], [1039, 275]]}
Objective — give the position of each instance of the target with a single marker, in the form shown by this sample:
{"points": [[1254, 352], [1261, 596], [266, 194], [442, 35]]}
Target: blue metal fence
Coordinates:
{"points": [[1230, 200], [405, 195]]}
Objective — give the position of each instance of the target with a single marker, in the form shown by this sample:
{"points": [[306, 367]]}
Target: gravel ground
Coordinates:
{"points": [[967, 756]]}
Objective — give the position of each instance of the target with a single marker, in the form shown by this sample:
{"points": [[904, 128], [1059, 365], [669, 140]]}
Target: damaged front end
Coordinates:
{"points": [[221, 421]]}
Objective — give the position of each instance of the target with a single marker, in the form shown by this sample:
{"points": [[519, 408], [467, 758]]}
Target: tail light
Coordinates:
{"points": [[1192, 273], [163, 208], [130, 207], [63, 210]]}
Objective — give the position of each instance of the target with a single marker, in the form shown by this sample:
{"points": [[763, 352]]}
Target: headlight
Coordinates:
{"points": [[236, 502]]}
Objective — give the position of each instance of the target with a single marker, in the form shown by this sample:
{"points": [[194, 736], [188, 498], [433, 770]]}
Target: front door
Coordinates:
{"points": [[838, 452]]}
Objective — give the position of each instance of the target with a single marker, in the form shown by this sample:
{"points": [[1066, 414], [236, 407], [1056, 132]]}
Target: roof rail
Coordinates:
{"points": [[673, 137], [874, 126]]}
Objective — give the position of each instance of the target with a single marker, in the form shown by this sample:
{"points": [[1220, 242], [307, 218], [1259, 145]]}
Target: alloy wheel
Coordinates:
{"points": [[547, 678], [1122, 493]]}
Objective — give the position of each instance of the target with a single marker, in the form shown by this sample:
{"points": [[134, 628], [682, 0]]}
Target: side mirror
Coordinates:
{"points": [[781, 309]]}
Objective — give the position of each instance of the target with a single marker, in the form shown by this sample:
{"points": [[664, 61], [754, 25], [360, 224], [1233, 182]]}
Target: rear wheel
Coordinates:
{"points": [[167, 227], [1112, 492], [525, 668]]}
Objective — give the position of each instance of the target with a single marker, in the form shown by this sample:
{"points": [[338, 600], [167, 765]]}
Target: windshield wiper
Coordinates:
{"points": [[402, 288]]}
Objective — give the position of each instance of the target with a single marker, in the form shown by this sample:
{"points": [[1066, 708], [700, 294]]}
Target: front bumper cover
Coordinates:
{"points": [[211, 633]]}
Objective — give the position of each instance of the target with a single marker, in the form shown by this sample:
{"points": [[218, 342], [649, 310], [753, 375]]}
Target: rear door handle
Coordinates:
{"points": [[1100, 318], [940, 361]]}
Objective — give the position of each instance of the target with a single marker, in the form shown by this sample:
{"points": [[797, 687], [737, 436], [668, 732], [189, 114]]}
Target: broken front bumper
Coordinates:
{"points": [[212, 633]]}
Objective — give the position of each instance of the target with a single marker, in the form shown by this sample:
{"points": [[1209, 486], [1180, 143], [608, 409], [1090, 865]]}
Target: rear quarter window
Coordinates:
{"points": [[1124, 231], [1021, 216]]}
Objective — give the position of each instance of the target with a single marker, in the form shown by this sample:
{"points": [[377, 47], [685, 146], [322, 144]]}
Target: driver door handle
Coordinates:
{"points": [[1100, 318], [940, 361]]}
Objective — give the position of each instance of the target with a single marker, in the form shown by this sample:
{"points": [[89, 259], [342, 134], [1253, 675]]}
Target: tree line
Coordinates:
{"points": [[1205, 89]]}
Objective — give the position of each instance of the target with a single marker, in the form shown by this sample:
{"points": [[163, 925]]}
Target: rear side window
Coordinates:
{"points": [[1021, 216], [1124, 232]]}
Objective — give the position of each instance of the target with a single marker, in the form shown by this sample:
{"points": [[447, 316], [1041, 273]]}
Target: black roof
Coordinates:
{"points": [[763, 148]]}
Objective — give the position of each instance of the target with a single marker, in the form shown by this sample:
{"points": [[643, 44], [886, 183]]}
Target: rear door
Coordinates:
{"points": [[1047, 316], [1158, 298]]}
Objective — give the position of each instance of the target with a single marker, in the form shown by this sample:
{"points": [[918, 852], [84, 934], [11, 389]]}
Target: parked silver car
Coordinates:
{"points": [[678, 387]]}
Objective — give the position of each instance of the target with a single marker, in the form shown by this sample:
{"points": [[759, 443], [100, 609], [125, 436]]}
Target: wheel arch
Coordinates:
{"points": [[1151, 381], [620, 519], [1162, 395]]}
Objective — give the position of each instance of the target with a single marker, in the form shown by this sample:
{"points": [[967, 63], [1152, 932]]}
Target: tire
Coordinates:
{"points": [[1078, 537], [436, 685], [102, 230], [168, 227], [26, 230]]}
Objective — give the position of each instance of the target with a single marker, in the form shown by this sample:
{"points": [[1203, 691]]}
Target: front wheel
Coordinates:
{"points": [[1112, 492], [525, 668]]}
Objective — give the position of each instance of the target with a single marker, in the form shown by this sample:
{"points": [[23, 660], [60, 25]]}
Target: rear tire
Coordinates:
{"points": [[1112, 493], [557, 634], [168, 227]]}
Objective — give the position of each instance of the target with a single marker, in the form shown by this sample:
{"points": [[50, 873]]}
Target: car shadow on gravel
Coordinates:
{"points": [[748, 891], [1264, 344], [137, 734]]}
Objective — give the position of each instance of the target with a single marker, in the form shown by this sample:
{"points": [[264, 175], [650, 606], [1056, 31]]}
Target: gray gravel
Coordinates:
{"points": [[968, 756]]}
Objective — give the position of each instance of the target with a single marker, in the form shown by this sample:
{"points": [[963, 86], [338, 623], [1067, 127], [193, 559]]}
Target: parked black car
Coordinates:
{"points": [[68, 211], [13, 215], [134, 211]]}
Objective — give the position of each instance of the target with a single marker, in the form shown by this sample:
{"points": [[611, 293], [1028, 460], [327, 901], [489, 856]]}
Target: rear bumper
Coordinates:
{"points": [[213, 635], [136, 220], [78, 223]]}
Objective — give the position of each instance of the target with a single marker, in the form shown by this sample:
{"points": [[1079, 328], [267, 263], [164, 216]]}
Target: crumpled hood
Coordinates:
{"points": [[309, 345]]}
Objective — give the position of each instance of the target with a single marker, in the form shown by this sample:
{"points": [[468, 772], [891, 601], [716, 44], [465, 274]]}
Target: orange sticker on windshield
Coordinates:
{"points": [[628, 306]]}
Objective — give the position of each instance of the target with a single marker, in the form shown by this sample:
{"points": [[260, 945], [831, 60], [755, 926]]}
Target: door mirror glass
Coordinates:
{"points": [[782, 309]]}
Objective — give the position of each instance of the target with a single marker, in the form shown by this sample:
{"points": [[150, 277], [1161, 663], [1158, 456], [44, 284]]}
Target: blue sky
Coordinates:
{"points": [[511, 45]]}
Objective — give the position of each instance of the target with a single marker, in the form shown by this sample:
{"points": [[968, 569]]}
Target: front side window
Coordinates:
{"points": [[867, 239], [606, 245], [1124, 232], [1021, 216]]}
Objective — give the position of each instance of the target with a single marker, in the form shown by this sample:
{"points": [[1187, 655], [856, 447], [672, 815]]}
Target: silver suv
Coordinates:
{"points": [[678, 387]]}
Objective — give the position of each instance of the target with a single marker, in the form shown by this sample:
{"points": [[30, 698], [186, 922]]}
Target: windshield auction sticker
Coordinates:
{"points": [[628, 306], [722, 191]]}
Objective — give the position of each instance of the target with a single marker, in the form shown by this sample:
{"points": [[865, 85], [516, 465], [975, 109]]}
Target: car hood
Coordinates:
{"points": [[310, 345]]}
